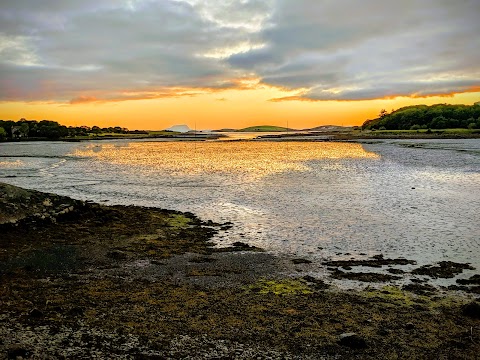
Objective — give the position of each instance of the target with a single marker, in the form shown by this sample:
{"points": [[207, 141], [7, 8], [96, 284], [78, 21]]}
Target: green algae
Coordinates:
{"points": [[390, 294], [280, 287], [396, 296], [178, 221]]}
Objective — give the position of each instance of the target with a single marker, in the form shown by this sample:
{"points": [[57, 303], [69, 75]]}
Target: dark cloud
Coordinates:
{"points": [[362, 50], [88, 50], [394, 89], [108, 46]]}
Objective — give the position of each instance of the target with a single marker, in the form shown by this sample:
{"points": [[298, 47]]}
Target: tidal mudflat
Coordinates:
{"points": [[83, 280]]}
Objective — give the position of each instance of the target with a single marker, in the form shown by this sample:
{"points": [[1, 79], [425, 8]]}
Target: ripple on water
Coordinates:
{"points": [[417, 199]]}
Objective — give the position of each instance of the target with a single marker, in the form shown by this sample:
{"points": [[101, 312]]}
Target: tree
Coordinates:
{"points": [[434, 116], [24, 129], [440, 122], [3, 133]]}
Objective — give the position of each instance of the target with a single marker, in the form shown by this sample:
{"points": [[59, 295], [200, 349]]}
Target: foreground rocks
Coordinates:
{"points": [[141, 283]]}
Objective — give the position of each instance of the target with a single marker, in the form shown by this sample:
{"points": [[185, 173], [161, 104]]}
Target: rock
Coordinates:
{"points": [[117, 255], [361, 276], [316, 283], [474, 279], [16, 351], [76, 311], [301, 261], [396, 271], [156, 262], [375, 261], [444, 269], [352, 340], [201, 259], [35, 313], [239, 244], [472, 310], [417, 281], [468, 289], [383, 332], [47, 202], [420, 289]]}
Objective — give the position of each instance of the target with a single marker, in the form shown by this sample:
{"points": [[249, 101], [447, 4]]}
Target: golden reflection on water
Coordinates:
{"points": [[10, 164], [251, 158]]}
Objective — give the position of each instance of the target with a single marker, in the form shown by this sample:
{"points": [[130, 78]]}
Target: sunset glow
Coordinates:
{"points": [[253, 160], [212, 64]]}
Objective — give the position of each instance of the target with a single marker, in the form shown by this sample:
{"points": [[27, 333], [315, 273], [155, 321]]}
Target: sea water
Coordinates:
{"points": [[418, 199]]}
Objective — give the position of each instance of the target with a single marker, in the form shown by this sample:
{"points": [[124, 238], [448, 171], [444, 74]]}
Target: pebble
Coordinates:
{"points": [[352, 340]]}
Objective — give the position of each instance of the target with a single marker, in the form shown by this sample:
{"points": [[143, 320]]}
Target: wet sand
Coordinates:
{"points": [[81, 280]]}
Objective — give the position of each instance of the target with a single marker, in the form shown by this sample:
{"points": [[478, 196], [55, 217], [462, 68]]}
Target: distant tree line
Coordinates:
{"points": [[47, 129], [440, 116]]}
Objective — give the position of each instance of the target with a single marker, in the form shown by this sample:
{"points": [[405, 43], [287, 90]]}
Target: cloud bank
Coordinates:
{"points": [[111, 50]]}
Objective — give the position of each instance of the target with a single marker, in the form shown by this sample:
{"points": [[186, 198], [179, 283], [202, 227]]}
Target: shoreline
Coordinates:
{"points": [[280, 136], [82, 279]]}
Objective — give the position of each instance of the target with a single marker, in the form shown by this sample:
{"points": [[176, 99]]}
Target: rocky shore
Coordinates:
{"points": [[81, 280]]}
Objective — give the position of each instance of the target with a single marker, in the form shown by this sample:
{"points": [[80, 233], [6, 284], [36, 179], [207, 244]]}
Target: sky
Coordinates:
{"points": [[210, 64]]}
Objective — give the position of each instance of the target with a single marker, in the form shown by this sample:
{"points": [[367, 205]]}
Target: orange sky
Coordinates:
{"points": [[213, 64], [231, 108]]}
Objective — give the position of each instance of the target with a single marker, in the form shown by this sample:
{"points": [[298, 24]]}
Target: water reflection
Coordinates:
{"points": [[255, 159], [10, 164], [316, 200]]}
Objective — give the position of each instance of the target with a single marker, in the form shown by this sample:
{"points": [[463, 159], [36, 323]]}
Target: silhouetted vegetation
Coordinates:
{"points": [[51, 130], [265, 128], [440, 116]]}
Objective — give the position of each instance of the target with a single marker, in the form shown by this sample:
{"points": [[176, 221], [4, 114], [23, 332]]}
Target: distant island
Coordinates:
{"points": [[265, 128], [179, 128], [272, 128]]}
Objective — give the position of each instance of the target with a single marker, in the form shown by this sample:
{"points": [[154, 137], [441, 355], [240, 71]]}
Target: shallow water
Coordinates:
{"points": [[418, 199]]}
